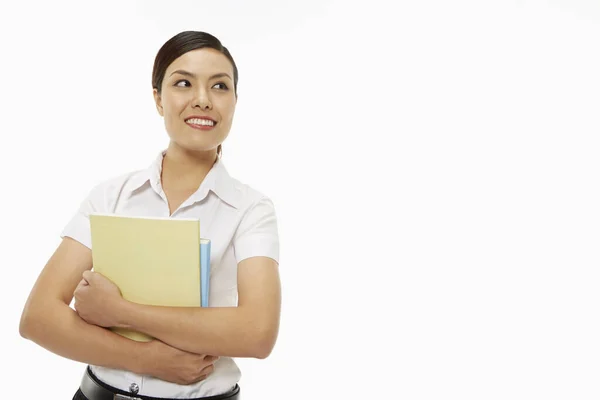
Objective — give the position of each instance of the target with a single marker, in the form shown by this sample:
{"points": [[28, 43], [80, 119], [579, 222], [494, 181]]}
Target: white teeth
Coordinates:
{"points": [[198, 121]]}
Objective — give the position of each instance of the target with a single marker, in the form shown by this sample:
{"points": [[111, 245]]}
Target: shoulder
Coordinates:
{"points": [[240, 195], [256, 211], [249, 197], [257, 232], [111, 188]]}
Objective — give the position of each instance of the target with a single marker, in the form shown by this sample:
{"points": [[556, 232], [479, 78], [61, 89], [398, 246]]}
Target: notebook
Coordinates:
{"points": [[153, 260], [204, 270]]}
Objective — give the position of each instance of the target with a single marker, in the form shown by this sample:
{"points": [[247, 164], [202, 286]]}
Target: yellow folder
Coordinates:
{"points": [[153, 261]]}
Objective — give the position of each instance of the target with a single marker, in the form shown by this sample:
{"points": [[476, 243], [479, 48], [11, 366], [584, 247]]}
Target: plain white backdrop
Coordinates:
{"points": [[434, 166]]}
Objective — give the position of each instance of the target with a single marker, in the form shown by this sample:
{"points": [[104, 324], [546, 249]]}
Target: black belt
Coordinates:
{"points": [[94, 389]]}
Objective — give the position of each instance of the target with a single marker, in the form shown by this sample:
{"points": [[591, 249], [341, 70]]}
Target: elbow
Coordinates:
{"points": [[262, 352], [25, 325], [264, 344], [29, 316], [32, 320]]}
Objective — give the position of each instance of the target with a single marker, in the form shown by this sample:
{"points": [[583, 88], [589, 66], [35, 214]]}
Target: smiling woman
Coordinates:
{"points": [[205, 77], [195, 90]]}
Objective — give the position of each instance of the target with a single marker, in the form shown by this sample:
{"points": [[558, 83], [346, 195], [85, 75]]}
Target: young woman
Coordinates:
{"points": [[195, 90]]}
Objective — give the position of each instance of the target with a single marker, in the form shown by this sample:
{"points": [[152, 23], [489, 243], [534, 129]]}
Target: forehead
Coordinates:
{"points": [[202, 62]]}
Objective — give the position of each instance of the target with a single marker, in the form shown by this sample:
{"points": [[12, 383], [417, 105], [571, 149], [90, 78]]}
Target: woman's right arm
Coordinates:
{"points": [[49, 321]]}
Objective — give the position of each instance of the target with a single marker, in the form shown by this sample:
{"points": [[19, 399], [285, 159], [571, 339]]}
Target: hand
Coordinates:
{"points": [[97, 299], [173, 365]]}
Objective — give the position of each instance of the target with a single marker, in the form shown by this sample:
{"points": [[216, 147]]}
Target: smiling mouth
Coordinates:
{"points": [[201, 123]]}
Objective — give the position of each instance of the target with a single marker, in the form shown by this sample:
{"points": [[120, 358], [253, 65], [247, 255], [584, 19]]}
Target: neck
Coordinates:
{"points": [[184, 169]]}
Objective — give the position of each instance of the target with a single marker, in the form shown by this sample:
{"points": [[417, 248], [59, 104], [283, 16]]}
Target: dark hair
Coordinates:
{"points": [[182, 43]]}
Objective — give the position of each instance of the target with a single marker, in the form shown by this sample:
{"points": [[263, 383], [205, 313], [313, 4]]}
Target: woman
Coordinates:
{"points": [[195, 90]]}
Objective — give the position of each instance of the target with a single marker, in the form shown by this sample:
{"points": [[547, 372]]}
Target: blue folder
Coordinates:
{"points": [[204, 271]]}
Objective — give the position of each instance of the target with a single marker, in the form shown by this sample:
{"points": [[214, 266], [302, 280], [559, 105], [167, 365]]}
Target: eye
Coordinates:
{"points": [[223, 86], [183, 83]]}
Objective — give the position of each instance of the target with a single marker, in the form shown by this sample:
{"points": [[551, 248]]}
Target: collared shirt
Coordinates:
{"points": [[239, 221]]}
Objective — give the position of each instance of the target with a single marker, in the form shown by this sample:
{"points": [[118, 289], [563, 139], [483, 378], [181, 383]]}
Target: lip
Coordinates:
{"points": [[200, 127]]}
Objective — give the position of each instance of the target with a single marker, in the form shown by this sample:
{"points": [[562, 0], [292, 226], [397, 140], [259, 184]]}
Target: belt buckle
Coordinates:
{"points": [[122, 397]]}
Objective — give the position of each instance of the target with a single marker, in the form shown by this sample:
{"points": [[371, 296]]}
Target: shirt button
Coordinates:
{"points": [[134, 388]]}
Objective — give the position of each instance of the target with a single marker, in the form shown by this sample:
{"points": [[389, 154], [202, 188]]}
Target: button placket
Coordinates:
{"points": [[134, 388]]}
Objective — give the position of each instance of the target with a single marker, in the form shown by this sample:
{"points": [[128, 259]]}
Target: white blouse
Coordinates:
{"points": [[239, 221]]}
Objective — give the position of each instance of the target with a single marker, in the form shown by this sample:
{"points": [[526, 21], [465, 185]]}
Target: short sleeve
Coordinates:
{"points": [[78, 227], [257, 234]]}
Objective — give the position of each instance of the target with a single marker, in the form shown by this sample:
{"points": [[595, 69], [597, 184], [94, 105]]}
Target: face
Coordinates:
{"points": [[197, 100]]}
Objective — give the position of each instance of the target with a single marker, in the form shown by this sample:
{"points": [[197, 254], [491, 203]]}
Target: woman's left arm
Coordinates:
{"points": [[248, 330]]}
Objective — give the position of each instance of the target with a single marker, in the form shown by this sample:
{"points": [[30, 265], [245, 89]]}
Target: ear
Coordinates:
{"points": [[158, 102]]}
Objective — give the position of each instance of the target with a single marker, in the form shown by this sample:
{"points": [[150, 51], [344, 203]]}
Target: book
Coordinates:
{"points": [[204, 270], [153, 260]]}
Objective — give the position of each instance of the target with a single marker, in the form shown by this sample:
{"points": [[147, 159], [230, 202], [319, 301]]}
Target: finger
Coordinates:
{"points": [[201, 378], [80, 286], [209, 369], [88, 275], [191, 381]]}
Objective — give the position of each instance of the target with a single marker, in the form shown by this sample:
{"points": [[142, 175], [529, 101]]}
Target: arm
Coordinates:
{"points": [[248, 330], [48, 320]]}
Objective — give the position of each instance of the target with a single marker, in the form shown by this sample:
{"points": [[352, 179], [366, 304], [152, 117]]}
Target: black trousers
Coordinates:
{"points": [[80, 396]]}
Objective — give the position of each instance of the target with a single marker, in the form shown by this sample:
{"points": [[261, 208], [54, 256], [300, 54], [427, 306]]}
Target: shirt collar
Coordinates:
{"points": [[217, 180]]}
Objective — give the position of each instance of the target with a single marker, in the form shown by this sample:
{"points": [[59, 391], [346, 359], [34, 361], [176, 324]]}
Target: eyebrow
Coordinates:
{"points": [[191, 75]]}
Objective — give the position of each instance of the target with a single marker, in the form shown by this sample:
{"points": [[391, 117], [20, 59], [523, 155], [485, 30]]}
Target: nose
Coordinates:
{"points": [[202, 100]]}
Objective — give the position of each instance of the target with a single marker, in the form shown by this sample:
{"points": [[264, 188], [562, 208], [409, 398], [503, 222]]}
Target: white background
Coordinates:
{"points": [[434, 168]]}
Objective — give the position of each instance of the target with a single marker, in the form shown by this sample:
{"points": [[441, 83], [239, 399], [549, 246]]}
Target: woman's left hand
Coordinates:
{"points": [[97, 299]]}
